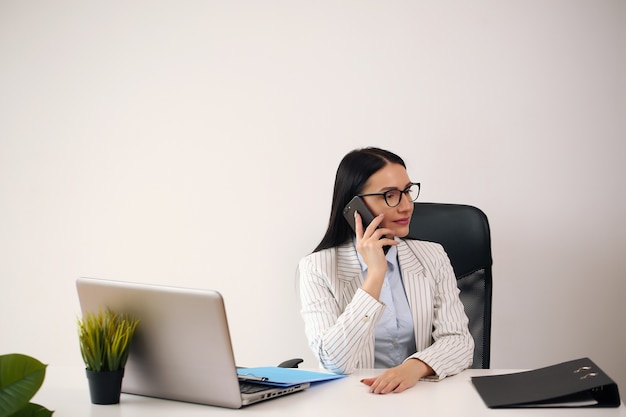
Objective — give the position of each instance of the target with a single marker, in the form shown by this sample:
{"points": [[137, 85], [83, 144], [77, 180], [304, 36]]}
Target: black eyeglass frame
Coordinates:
{"points": [[403, 192]]}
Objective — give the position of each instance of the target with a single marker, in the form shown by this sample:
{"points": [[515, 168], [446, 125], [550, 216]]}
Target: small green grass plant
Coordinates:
{"points": [[105, 339]]}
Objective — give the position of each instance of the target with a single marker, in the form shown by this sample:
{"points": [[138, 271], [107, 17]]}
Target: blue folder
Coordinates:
{"points": [[273, 375]]}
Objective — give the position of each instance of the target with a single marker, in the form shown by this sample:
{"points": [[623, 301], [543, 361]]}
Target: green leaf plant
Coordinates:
{"points": [[105, 340], [21, 376]]}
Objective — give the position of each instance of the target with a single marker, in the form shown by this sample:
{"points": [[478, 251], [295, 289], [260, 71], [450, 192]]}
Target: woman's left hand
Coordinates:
{"points": [[399, 378]]}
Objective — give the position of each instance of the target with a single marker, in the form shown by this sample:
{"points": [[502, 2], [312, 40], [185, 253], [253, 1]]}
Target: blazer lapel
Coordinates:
{"points": [[349, 274], [411, 269], [348, 265]]}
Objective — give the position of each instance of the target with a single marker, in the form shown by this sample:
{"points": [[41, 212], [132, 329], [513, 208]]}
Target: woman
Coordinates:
{"points": [[363, 308]]}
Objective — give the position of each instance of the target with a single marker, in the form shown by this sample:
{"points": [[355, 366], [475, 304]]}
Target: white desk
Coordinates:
{"points": [[65, 391]]}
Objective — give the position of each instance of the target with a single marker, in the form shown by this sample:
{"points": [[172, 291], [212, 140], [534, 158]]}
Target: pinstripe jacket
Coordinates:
{"points": [[340, 317]]}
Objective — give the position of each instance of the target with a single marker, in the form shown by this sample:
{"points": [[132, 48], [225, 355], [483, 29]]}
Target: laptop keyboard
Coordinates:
{"points": [[250, 387]]}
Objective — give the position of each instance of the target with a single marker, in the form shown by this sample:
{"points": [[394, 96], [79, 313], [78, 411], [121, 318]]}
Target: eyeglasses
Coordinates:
{"points": [[393, 197]]}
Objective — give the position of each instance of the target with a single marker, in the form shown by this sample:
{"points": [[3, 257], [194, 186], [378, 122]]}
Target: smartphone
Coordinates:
{"points": [[357, 204]]}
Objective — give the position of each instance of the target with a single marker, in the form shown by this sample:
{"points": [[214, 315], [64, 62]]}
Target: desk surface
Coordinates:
{"points": [[65, 391]]}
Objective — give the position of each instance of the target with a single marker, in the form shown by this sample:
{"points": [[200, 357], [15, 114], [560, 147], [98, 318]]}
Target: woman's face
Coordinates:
{"points": [[390, 177]]}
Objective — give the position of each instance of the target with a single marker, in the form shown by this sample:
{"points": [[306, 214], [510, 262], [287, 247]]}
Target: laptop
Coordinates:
{"points": [[181, 349]]}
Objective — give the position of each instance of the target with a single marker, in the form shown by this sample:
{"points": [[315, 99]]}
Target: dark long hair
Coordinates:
{"points": [[353, 172]]}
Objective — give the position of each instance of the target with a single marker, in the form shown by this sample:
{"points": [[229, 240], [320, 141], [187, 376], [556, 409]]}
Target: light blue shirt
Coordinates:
{"points": [[394, 336]]}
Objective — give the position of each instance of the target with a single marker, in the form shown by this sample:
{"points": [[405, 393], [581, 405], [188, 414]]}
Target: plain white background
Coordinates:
{"points": [[195, 143]]}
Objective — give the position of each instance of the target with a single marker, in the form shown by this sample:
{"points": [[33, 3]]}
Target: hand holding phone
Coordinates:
{"points": [[357, 204]]}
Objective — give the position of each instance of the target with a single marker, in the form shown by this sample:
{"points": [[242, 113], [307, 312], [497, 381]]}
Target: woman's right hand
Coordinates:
{"points": [[369, 244]]}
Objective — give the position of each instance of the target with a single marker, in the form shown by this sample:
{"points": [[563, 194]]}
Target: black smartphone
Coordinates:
{"points": [[357, 204]]}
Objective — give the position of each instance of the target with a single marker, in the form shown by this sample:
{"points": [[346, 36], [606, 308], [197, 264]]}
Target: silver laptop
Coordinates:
{"points": [[182, 348]]}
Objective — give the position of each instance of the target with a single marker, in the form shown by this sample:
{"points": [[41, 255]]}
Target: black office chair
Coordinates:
{"points": [[464, 233]]}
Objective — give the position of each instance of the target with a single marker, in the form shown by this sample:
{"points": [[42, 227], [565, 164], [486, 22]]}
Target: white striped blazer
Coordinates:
{"points": [[340, 317]]}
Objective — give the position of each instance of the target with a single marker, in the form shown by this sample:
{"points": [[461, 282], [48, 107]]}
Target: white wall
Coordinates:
{"points": [[195, 143]]}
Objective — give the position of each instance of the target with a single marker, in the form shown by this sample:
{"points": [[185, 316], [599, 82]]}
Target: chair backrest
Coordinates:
{"points": [[464, 233]]}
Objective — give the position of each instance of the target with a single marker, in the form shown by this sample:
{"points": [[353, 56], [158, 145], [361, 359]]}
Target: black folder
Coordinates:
{"points": [[577, 383]]}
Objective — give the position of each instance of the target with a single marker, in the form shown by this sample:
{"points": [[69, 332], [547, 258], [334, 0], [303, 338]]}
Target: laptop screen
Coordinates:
{"points": [[181, 349]]}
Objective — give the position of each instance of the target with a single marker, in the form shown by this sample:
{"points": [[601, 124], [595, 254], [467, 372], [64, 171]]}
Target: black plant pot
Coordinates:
{"points": [[105, 387]]}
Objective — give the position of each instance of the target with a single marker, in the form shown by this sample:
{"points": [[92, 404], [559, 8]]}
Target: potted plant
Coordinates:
{"points": [[105, 344], [21, 377]]}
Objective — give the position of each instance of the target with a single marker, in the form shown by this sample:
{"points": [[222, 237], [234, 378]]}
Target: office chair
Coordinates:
{"points": [[464, 233]]}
